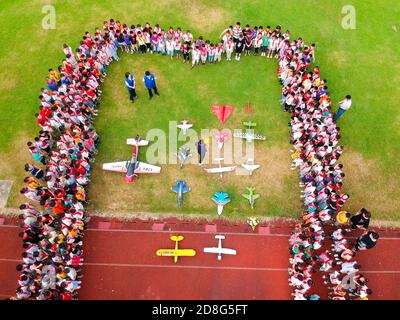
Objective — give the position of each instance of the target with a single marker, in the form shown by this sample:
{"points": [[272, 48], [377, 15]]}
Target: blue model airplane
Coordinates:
{"points": [[180, 189], [221, 199]]}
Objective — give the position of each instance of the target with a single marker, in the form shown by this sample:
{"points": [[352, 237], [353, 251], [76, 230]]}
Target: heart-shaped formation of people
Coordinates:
{"points": [[66, 146]]}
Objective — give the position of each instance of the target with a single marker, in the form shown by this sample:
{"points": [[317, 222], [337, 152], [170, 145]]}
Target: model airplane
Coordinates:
{"points": [[219, 250], [221, 199], [250, 166], [183, 155], [220, 169], [222, 112], [249, 135], [180, 189], [184, 126], [253, 222], [133, 167], [176, 253], [251, 196], [221, 137]]}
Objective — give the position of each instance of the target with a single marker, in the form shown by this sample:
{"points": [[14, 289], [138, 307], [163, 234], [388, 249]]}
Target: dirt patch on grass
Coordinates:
{"points": [[370, 186], [337, 57], [12, 168], [202, 15], [8, 83]]}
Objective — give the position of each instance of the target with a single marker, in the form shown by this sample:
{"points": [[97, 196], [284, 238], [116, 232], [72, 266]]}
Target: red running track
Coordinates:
{"points": [[121, 264]]}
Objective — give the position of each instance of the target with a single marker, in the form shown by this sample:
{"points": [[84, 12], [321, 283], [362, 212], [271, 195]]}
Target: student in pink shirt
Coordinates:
{"points": [[203, 53]]}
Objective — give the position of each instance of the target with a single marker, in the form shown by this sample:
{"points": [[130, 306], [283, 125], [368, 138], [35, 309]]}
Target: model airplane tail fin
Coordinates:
{"points": [[220, 236], [177, 238], [218, 159], [134, 142], [250, 124], [251, 189]]}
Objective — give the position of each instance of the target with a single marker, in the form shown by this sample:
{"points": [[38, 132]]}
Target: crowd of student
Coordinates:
{"points": [[315, 139], [183, 45], [66, 145], [64, 151]]}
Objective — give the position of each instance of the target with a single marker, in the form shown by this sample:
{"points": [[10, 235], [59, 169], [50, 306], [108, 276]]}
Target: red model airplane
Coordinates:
{"points": [[132, 167]]}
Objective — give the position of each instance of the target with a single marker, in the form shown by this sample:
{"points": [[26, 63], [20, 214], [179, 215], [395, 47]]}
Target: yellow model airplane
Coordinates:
{"points": [[176, 252]]}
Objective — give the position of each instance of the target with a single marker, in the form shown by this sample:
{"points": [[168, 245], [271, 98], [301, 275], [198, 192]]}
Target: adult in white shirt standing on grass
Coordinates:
{"points": [[344, 105]]}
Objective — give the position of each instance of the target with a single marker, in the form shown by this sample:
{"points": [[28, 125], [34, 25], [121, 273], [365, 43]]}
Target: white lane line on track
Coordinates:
{"points": [[96, 264], [173, 231], [127, 265], [194, 232], [203, 232], [182, 267]]}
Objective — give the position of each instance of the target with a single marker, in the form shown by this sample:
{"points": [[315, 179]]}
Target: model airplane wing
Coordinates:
{"points": [[220, 251], [249, 136], [246, 196], [175, 189], [219, 170], [178, 252], [184, 126], [116, 166], [134, 142], [251, 167], [256, 196], [212, 250], [147, 168], [228, 251]]}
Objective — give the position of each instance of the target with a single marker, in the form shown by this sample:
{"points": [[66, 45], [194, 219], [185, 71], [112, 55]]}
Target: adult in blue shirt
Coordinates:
{"points": [[149, 80], [130, 85]]}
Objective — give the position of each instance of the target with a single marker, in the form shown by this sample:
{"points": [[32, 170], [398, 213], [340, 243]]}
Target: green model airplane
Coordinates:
{"points": [[251, 196]]}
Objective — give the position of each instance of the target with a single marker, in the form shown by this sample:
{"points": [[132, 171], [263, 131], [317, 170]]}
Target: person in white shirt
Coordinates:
{"points": [[170, 46], [229, 46], [195, 56], [344, 105], [350, 267]]}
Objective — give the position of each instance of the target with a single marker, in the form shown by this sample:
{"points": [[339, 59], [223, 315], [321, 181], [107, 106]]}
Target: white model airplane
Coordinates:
{"points": [[219, 250], [184, 126], [249, 135], [220, 169], [133, 167], [183, 155], [250, 166]]}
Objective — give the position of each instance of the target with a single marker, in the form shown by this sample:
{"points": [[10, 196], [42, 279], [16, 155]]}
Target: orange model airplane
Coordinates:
{"points": [[176, 252]]}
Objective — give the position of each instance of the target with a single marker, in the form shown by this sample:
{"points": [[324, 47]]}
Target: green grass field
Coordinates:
{"points": [[362, 62]]}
